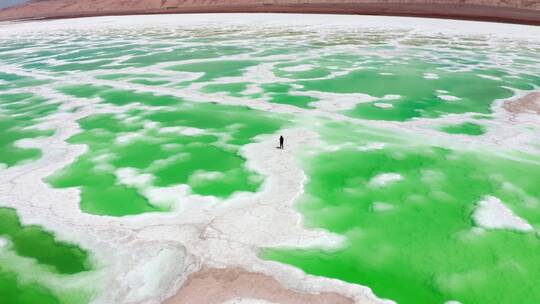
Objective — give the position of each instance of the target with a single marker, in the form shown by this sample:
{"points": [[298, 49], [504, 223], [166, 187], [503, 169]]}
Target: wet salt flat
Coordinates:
{"points": [[135, 151]]}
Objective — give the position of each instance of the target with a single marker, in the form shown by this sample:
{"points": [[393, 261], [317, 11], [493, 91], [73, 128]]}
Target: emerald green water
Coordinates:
{"points": [[421, 246], [15, 292], [201, 51], [18, 113], [163, 107], [33, 242], [215, 69], [37, 244], [281, 93], [18, 81], [467, 128], [418, 96], [171, 157], [232, 89]]}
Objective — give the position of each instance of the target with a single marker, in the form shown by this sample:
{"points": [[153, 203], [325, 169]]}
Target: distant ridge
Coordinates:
{"points": [[512, 11], [8, 3]]}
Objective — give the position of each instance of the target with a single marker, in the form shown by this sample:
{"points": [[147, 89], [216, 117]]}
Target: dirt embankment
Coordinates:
{"points": [[529, 103], [516, 11], [216, 286]]}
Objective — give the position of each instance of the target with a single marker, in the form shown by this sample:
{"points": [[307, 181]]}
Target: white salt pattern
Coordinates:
{"points": [[383, 105], [384, 179], [491, 213], [448, 97]]}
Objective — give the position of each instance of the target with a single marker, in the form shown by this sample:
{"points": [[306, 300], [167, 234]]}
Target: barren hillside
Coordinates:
{"points": [[519, 11]]}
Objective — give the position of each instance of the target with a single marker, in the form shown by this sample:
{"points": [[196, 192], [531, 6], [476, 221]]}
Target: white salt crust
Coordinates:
{"points": [[431, 76], [384, 179], [448, 97], [381, 207], [298, 68], [491, 213], [383, 105]]}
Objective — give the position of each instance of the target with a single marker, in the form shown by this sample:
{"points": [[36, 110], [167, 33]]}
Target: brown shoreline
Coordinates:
{"points": [[522, 12], [219, 285], [529, 103]]}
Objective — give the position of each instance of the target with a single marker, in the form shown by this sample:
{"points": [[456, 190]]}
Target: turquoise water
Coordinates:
{"points": [[162, 107]]}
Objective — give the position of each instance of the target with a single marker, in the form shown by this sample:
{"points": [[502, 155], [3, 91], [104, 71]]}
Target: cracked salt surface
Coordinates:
{"points": [[491, 213]]}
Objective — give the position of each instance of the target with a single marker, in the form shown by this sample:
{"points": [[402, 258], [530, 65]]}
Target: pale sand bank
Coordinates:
{"points": [[216, 286], [529, 103]]}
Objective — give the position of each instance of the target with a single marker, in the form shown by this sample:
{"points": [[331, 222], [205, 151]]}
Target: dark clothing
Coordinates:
{"points": [[281, 140]]}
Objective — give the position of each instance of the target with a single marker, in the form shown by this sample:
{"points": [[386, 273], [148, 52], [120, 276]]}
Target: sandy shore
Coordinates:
{"points": [[529, 103], [512, 11], [220, 285]]}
